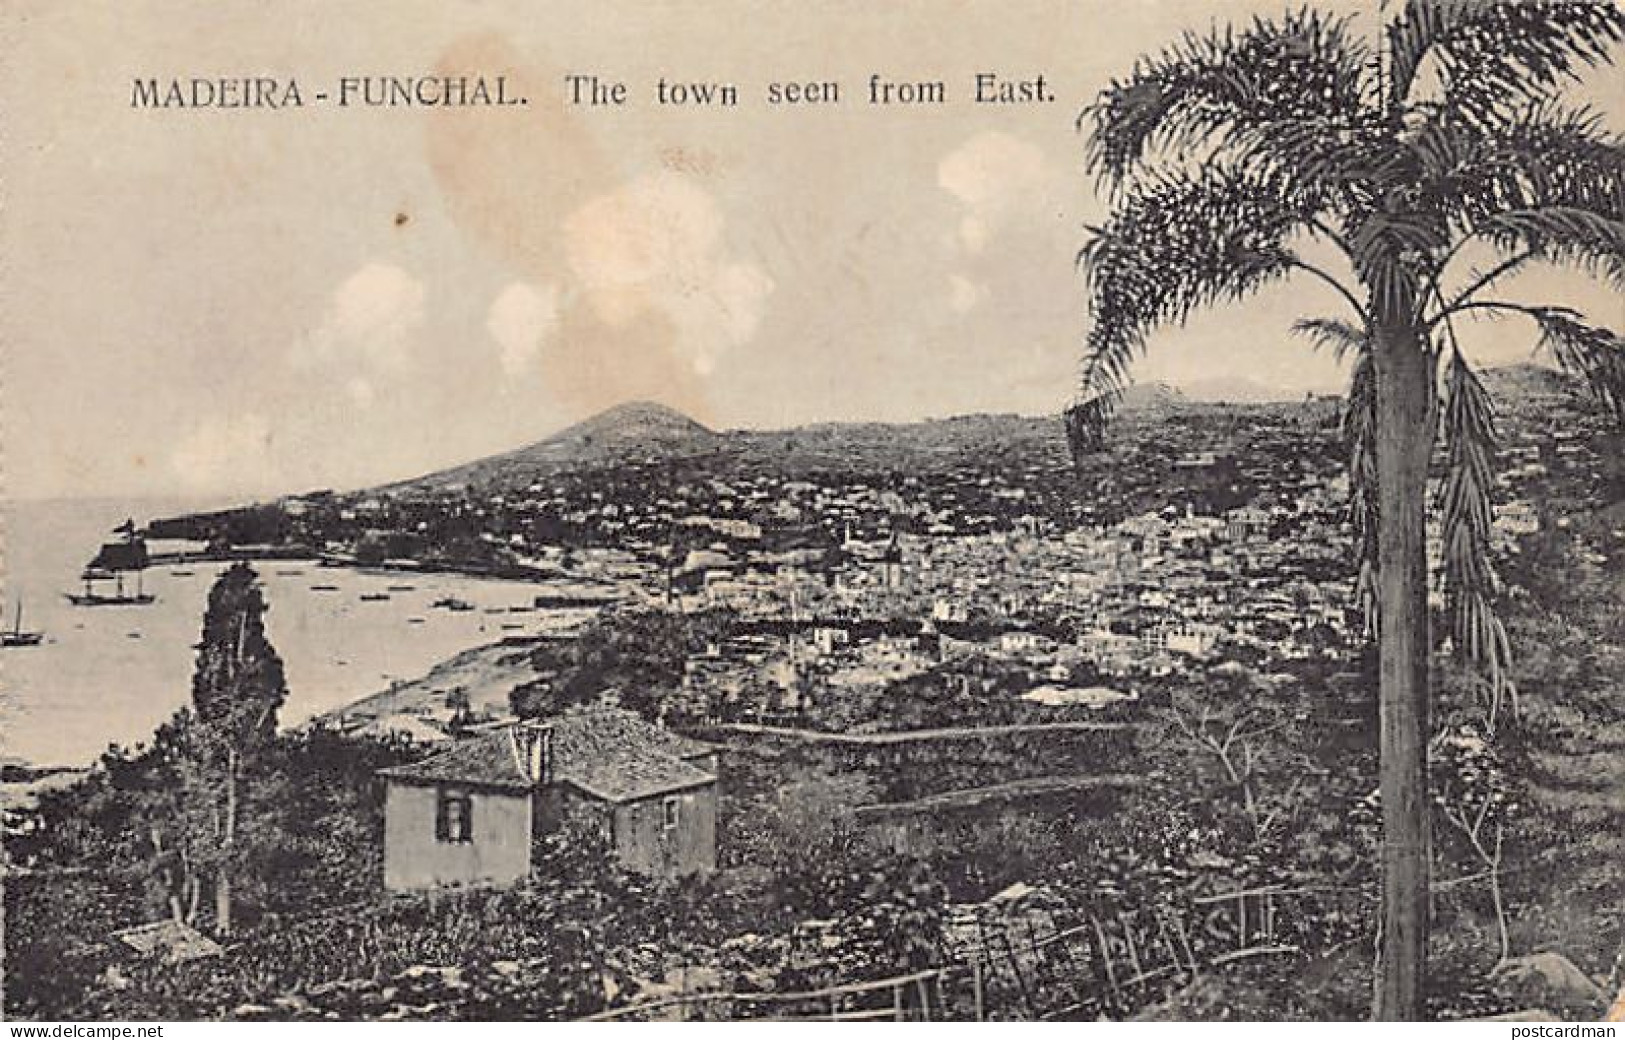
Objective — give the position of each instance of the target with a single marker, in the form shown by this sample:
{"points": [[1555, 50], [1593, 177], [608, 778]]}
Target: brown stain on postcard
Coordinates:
{"points": [[512, 178]]}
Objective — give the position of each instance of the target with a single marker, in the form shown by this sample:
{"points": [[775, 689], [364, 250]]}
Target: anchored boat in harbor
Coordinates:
{"points": [[452, 603], [111, 564], [15, 636]]}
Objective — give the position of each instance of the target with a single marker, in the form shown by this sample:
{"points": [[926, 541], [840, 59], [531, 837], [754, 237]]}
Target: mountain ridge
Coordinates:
{"points": [[651, 432]]}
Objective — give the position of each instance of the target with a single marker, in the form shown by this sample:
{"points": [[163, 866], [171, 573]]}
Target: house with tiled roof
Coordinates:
{"points": [[472, 814]]}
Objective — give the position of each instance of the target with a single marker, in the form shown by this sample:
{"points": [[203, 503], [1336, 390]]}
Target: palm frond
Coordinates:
{"points": [[1549, 187], [1552, 182], [1549, 155], [1466, 503], [1172, 246], [1553, 155], [1493, 54], [1360, 438], [1594, 354], [1440, 148], [1562, 235], [1479, 279], [1227, 85], [1340, 337], [1396, 253], [1350, 160]]}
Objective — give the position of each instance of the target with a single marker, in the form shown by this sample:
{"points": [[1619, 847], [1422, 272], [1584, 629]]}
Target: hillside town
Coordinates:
{"points": [[1206, 537]]}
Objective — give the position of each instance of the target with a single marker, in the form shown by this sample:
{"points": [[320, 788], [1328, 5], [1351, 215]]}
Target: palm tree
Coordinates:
{"points": [[1236, 159]]}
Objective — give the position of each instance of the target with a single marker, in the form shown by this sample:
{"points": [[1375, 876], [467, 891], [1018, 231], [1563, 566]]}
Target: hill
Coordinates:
{"points": [[643, 434], [634, 424], [1237, 389], [636, 430], [1526, 386], [1153, 397]]}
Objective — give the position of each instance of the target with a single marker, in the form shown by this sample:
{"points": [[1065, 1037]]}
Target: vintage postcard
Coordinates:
{"points": [[944, 510]]}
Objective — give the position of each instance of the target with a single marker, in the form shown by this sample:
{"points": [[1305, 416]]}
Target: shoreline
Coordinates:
{"points": [[305, 554], [485, 673], [374, 683]]}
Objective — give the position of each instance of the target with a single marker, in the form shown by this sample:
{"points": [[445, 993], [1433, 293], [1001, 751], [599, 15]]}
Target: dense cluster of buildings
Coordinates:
{"points": [[1214, 539]]}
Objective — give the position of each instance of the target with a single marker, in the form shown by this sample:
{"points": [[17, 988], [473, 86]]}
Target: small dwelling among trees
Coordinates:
{"points": [[474, 812]]}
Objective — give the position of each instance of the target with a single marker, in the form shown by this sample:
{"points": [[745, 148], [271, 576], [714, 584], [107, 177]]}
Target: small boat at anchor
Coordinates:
{"points": [[452, 603], [15, 636]]}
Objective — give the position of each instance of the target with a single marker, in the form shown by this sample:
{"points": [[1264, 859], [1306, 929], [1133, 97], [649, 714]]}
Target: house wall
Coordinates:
{"points": [[643, 842], [413, 858]]}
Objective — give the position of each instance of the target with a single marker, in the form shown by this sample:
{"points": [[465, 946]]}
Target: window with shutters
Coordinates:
{"points": [[454, 816], [670, 813]]}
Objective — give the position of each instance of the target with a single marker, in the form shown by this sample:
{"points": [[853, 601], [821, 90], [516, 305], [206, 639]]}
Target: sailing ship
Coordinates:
{"points": [[112, 563], [15, 636]]}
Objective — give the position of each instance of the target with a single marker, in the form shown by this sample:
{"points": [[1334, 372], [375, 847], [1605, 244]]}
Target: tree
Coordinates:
{"points": [[1242, 157], [237, 687], [1476, 795], [1254, 744], [641, 656]]}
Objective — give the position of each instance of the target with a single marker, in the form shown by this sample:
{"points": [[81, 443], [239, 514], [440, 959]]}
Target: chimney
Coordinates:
{"points": [[533, 751]]}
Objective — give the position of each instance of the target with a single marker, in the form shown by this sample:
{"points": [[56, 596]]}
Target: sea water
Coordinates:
{"points": [[109, 675]]}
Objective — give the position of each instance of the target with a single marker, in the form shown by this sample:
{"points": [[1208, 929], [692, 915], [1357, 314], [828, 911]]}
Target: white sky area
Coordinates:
{"points": [[258, 302]]}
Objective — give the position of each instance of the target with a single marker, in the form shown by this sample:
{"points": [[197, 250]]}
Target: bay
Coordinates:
{"points": [[109, 675]]}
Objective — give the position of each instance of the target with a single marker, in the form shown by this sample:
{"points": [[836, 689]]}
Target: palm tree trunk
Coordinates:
{"points": [[1405, 394]]}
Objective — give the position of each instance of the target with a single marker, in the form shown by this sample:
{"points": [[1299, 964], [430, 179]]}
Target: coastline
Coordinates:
{"points": [[345, 633], [305, 554], [485, 673]]}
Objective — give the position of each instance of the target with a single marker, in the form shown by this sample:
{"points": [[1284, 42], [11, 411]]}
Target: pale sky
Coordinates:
{"points": [[257, 302]]}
